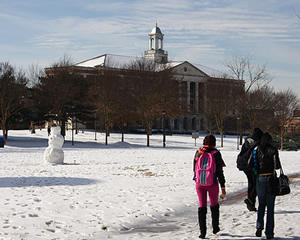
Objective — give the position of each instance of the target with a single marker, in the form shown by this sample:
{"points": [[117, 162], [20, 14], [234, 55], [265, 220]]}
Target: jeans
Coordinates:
{"points": [[265, 200]]}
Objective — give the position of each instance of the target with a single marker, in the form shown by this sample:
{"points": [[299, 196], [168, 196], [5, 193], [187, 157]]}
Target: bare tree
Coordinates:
{"points": [[125, 116], [62, 94], [12, 93], [210, 123], [111, 97], [254, 76], [220, 95], [286, 103], [34, 73], [297, 14], [260, 108], [241, 68], [107, 97], [153, 89]]}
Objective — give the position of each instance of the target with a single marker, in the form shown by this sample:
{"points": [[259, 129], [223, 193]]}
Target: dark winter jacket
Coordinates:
{"points": [[267, 159], [219, 165]]}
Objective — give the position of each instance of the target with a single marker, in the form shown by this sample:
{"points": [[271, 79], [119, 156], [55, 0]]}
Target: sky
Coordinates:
{"points": [[40, 33]]}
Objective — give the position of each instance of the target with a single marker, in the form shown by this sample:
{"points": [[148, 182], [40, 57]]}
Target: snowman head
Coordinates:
{"points": [[55, 130], [56, 140]]}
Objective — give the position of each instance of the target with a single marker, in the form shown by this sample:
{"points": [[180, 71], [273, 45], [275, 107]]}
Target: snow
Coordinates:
{"points": [[108, 60], [210, 71], [94, 62], [125, 190]]}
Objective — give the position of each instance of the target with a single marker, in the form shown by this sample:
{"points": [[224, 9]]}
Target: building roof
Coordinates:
{"points": [[119, 61], [107, 60], [156, 30]]}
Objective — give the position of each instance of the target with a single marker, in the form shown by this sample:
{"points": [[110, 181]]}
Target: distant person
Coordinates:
{"points": [[49, 130], [209, 159], [264, 160], [242, 164]]}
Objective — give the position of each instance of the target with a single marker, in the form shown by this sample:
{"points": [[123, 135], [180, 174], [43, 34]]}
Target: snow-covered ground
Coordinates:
{"points": [[125, 190]]}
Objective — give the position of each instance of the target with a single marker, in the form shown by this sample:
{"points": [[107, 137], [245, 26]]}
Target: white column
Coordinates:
{"points": [[197, 97], [188, 95]]}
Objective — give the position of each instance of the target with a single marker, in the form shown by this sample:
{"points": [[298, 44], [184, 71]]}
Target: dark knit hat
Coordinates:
{"points": [[257, 134], [209, 140]]}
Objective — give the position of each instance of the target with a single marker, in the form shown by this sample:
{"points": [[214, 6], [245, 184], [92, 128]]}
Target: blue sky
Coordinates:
{"points": [[200, 31]]}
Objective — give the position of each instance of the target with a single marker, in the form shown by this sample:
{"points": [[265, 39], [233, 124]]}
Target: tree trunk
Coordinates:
{"points": [[76, 126], [106, 135], [220, 128], [3, 133], [63, 128], [6, 131], [281, 139], [222, 137], [241, 138], [122, 132], [148, 137]]}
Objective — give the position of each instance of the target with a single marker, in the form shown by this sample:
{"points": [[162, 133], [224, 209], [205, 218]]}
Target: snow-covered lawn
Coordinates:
{"points": [[125, 190]]}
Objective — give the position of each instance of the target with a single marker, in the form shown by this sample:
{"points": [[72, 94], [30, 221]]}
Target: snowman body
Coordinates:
{"points": [[54, 153]]}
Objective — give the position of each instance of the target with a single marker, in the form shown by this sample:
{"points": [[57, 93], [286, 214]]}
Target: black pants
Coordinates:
{"points": [[251, 186]]}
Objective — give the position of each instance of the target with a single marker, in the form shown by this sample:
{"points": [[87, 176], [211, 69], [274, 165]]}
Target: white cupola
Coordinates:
{"points": [[156, 52]]}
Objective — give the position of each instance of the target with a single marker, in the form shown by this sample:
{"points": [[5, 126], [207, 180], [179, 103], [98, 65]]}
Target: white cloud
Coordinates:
{"points": [[200, 31]]}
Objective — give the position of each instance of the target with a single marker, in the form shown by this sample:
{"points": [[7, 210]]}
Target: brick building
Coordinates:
{"points": [[197, 80]]}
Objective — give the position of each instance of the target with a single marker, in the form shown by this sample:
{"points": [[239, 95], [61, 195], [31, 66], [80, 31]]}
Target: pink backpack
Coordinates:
{"points": [[205, 169]]}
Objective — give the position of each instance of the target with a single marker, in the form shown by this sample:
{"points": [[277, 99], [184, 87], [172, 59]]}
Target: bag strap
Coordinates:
{"points": [[281, 171]]}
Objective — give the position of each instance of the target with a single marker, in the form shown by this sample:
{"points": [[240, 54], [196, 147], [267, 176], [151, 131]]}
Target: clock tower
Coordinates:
{"points": [[156, 52]]}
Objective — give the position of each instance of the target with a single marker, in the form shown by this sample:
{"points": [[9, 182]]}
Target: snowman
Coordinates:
{"points": [[54, 153]]}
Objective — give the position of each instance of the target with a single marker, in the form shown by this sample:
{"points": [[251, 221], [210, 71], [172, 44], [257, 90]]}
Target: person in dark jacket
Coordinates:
{"points": [[264, 160], [209, 143], [249, 144]]}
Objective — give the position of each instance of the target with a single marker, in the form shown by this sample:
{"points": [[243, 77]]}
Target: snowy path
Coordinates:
{"points": [[180, 226]]}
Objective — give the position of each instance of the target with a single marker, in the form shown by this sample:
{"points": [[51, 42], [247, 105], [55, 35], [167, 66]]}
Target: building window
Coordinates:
{"points": [[191, 102], [176, 127], [192, 89], [293, 128], [185, 124], [194, 123]]}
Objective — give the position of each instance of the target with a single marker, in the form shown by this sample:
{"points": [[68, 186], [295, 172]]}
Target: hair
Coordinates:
{"points": [[265, 140], [257, 134], [209, 140]]}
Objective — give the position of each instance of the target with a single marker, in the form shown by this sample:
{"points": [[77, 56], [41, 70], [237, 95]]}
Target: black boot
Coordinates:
{"points": [[250, 205], [202, 221], [215, 218]]}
